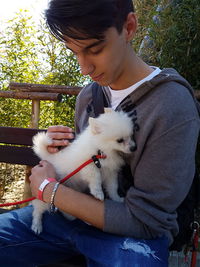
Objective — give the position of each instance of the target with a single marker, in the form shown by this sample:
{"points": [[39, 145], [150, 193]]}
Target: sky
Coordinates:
{"points": [[8, 8]]}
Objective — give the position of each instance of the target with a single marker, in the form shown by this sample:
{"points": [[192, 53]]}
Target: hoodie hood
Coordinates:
{"points": [[165, 76], [85, 103]]}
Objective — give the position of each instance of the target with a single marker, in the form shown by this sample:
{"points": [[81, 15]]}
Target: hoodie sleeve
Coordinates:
{"points": [[161, 181], [163, 165]]}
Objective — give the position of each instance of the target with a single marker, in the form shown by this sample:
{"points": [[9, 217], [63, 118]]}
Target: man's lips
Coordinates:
{"points": [[97, 78]]}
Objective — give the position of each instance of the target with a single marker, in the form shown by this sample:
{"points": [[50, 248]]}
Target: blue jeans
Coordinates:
{"points": [[62, 239]]}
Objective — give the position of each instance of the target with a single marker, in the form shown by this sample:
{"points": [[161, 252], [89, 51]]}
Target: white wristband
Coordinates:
{"points": [[42, 187]]}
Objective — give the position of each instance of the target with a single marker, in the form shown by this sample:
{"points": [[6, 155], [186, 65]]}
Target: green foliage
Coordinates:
{"points": [[144, 11], [61, 68], [55, 113], [30, 54], [19, 59], [18, 63], [176, 37], [16, 113]]}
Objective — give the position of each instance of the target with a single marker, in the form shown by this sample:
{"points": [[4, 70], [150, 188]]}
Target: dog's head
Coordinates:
{"points": [[113, 131]]}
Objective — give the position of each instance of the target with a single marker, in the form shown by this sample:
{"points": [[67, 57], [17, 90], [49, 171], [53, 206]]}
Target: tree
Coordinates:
{"points": [[61, 68], [144, 12], [174, 33], [30, 54], [18, 63], [19, 59]]}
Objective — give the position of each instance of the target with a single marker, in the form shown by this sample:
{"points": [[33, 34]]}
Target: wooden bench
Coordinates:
{"points": [[15, 148], [16, 145]]}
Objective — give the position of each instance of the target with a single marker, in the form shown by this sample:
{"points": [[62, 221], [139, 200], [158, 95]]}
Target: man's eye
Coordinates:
{"points": [[121, 140], [96, 52]]}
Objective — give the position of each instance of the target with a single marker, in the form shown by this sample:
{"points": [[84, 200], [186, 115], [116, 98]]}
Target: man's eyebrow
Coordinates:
{"points": [[89, 46], [95, 44]]}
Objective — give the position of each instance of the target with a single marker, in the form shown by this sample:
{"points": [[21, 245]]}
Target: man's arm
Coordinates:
{"points": [[80, 205]]}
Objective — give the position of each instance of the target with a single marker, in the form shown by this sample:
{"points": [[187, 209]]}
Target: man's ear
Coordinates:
{"points": [[130, 26], [108, 110], [94, 125]]}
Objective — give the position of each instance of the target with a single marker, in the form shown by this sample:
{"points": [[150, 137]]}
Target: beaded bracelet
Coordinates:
{"points": [[53, 209]]}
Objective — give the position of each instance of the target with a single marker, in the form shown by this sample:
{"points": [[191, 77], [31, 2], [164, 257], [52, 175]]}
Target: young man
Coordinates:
{"points": [[139, 231]]}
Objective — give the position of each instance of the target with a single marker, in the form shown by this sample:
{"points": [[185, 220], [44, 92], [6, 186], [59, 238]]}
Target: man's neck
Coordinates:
{"points": [[135, 70]]}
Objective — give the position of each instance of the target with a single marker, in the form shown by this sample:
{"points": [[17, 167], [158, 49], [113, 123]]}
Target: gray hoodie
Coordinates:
{"points": [[166, 128]]}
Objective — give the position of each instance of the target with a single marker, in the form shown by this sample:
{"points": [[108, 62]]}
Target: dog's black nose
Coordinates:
{"points": [[133, 148]]}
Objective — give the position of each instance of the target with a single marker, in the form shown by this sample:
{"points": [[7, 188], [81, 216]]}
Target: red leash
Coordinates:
{"points": [[195, 243], [93, 159]]}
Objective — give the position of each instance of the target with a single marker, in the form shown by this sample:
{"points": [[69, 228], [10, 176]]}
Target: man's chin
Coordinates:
{"points": [[103, 83]]}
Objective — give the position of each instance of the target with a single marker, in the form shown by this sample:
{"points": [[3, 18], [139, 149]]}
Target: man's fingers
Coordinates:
{"points": [[60, 135], [57, 145], [44, 163], [60, 128], [52, 149], [62, 142]]}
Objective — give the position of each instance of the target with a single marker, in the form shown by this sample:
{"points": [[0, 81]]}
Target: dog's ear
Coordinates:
{"points": [[108, 110], [94, 125]]}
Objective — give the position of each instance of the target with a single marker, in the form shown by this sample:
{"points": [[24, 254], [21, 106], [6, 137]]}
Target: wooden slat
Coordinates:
{"points": [[18, 155], [61, 89], [18, 136], [29, 87], [31, 95]]}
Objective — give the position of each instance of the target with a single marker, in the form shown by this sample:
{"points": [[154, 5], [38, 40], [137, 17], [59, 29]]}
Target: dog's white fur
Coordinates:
{"points": [[110, 133]]}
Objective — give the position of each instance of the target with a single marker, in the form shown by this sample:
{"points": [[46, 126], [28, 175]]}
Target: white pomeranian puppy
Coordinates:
{"points": [[110, 133]]}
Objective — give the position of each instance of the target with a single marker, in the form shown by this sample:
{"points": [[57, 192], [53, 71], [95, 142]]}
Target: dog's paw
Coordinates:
{"points": [[118, 198], [98, 194], [36, 228]]}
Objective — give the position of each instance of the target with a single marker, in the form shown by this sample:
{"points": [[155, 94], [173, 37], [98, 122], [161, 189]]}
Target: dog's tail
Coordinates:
{"points": [[40, 142]]}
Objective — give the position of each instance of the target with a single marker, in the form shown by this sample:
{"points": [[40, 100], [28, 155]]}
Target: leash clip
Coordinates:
{"points": [[96, 161]]}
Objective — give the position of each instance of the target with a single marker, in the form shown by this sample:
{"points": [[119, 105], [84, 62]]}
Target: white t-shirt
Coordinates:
{"points": [[118, 95]]}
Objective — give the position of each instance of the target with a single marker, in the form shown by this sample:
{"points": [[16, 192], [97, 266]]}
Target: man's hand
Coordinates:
{"points": [[60, 136], [39, 173]]}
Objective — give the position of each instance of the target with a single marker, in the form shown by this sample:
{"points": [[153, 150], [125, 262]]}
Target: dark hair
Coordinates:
{"points": [[86, 19]]}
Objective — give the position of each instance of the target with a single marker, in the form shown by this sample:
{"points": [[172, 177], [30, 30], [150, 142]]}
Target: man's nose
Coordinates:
{"points": [[85, 64]]}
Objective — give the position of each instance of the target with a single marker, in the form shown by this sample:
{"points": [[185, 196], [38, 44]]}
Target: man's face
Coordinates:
{"points": [[103, 60]]}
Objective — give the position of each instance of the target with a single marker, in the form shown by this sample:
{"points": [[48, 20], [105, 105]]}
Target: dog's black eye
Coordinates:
{"points": [[121, 140]]}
